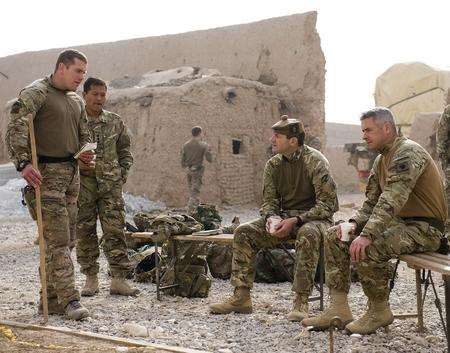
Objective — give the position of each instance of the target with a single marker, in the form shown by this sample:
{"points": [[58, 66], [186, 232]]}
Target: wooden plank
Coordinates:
{"points": [[440, 256], [431, 257], [91, 335], [208, 232], [414, 261], [219, 238]]}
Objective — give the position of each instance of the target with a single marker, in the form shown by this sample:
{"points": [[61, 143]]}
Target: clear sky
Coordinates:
{"points": [[360, 38]]}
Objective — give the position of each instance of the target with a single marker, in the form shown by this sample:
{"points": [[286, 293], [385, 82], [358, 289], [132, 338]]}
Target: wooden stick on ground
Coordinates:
{"points": [[39, 222], [91, 335]]}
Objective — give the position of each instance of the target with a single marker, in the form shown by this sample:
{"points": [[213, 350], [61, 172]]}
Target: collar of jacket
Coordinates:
{"points": [[294, 156], [391, 145], [102, 117], [49, 81]]}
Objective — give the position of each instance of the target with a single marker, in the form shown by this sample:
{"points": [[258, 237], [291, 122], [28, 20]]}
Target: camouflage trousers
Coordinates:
{"points": [[376, 270], [59, 192], [194, 180], [104, 201], [250, 237]]}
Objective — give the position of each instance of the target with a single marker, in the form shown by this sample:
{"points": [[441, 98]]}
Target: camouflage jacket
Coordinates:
{"points": [[300, 184], [443, 137], [113, 153], [393, 188], [30, 101]]}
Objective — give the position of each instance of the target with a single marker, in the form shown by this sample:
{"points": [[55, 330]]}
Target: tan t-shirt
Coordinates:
{"points": [[193, 153], [57, 123]]}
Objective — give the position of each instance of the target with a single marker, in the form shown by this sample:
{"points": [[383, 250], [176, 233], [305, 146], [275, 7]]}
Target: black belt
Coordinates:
{"points": [[436, 223], [47, 159]]}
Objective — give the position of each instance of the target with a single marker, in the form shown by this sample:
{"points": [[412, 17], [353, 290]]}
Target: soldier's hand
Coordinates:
{"points": [[88, 158], [283, 228], [358, 248], [32, 176]]}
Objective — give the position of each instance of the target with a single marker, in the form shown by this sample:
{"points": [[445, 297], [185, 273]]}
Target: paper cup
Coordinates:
{"points": [[273, 222], [346, 228]]}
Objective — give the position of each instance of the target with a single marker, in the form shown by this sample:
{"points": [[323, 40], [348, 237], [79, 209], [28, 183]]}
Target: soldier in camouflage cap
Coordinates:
{"points": [[60, 128], [101, 195], [299, 200], [404, 212]]}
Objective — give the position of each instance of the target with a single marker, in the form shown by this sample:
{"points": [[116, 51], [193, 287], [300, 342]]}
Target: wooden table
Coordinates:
{"points": [[223, 239]]}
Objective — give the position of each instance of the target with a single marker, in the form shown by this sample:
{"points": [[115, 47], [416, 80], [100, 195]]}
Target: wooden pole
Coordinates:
{"points": [[91, 335], [39, 222]]}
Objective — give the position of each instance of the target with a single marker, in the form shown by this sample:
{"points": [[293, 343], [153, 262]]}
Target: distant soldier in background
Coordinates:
{"points": [[442, 146], [193, 153], [311, 140], [101, 195]]}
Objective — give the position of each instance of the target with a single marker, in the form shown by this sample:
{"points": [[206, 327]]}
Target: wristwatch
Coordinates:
{"points": [[299, 221], [21, 166]]}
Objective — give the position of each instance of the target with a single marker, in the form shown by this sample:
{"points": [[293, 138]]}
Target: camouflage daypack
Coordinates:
{"points": [[208, 216], [170, 223], [219, 260], [193, 279], [274, 265]]}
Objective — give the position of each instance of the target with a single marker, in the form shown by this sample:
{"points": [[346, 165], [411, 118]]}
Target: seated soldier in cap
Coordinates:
{"points": [[299, 200]]}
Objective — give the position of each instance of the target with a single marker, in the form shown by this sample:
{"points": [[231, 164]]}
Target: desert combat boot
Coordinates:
{"points": [[300, 308], [338, 307], [119, 286], [239, 302], [378, 315], [90, 287], [54, 308], [75, 311]]}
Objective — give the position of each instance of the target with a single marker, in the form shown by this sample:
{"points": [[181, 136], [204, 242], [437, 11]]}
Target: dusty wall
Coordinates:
{"points": [[160, 120], [284, 51], [337, 136]]}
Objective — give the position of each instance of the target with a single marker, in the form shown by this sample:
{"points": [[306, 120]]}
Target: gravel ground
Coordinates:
{"points": [[186, 322]]}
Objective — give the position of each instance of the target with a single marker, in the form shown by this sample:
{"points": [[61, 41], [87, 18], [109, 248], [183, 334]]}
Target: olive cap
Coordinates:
{"points": [[288, 126]]}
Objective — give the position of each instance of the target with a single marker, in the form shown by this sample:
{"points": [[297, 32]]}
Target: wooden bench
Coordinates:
{"points": [[424, 264], [222, 239]]}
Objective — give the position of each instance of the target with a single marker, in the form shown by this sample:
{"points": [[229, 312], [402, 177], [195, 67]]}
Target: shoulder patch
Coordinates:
{"points": [[401, 164]]}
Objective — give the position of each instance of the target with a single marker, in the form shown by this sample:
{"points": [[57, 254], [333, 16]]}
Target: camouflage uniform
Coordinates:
{"points": [[315, 206], [442, 146], [192, 154], [391, 218], [101, 196], [60, 181]]}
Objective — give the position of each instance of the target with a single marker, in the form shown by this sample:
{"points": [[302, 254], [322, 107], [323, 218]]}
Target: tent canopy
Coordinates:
{"points": [[410, 88]]}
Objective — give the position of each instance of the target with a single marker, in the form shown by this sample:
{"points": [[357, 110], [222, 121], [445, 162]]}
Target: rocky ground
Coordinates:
{"points": [[186, 322]]}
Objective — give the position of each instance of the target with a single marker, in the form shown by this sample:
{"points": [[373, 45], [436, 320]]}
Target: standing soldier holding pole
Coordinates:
{"points": [[101, 195], [60, 128]]}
